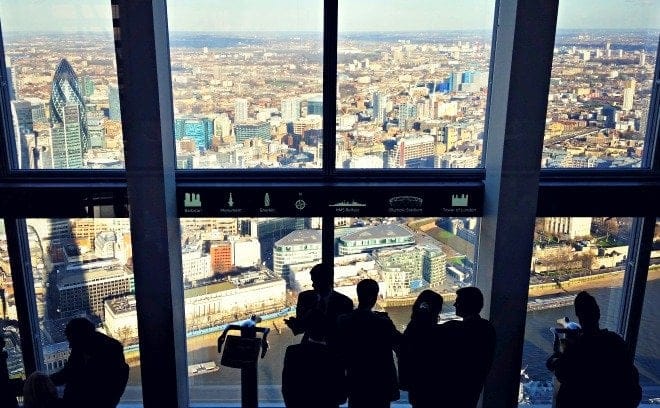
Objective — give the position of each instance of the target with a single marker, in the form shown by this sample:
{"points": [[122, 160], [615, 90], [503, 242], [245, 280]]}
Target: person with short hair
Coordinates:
{"points": [[366, 341], [470, 344], [96, 373], [595, 369], [320, 303]]}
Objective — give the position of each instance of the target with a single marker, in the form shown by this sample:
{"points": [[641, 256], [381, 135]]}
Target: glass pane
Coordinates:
{"points": [[234, 268], [83, 268], [647, 359], [571, 254], [600, 86], [412, 83], [247, 79], [9, 336], [62, 84], [405, 256]]}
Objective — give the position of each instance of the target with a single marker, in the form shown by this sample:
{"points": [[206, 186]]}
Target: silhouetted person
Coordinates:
{"points": [[322, 298], [421, 353], [312, 375], [470, 346], [95, 375], [596, 369], [366, 340], [40, 392]]}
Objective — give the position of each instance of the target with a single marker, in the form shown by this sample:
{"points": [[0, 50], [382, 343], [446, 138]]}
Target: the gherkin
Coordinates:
{"points": [[66, 91]]}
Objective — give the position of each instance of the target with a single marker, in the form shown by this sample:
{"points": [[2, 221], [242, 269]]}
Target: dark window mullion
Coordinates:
{"points": [[330, 30], [634, 283], [7, 141], [24, 294], [652, 149]]}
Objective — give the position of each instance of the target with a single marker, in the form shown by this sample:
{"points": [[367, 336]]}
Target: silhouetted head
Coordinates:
{"points": [[427, 307], [469, 301], [587, 310], [39, 391], [367, 292], [321, 279], [78, 332]]}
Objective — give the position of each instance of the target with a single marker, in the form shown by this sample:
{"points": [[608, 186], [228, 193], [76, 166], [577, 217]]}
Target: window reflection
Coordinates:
{"points": [[646, 358], [83, 268], [570, 254], [8, 316]]}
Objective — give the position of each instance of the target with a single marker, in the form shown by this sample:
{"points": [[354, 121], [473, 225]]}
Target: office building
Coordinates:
{"points": [[240, 110], [65, 92], [114, 111], [298, 247]]}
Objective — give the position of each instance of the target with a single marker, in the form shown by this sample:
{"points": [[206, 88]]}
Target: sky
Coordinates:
{"points": [[306, 15]]}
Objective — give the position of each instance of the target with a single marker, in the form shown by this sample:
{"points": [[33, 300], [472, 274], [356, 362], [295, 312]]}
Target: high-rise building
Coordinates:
{"points": [[240, 110], [114, 112], [66, 92], [96, 128], [87, 86], [21, 112], [290, 109], [315, 105], [198, 129], [378, 106], [628, 94], [573, 227], [299, 247], [10, 79], [66, 139], [253, 130]]}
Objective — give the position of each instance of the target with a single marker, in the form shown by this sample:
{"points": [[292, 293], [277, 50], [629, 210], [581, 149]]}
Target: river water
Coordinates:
{"points": [[537, 346]]}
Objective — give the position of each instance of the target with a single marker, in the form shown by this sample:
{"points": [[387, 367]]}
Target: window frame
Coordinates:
{"points": [[546, 194]]}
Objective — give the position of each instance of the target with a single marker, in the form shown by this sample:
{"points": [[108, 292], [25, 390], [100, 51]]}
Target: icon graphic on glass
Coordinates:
{"points": [[192, 200]]}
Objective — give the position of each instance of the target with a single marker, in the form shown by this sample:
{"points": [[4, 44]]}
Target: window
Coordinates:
{"points": [[647, 352], [62, 85], [412, 80], [251, 83], [247, 83], [82, 268], [571, 254], [8, 315], [234, 268], [601, 84]]}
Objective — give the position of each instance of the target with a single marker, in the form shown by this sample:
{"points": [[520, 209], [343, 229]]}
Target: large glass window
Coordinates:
{"points": [[571, 254], [234, 268], [405, 256], [62, 82], [8, 315], [600, 88], [646, 358], [412, 79], [247, 79], [82, 268]]}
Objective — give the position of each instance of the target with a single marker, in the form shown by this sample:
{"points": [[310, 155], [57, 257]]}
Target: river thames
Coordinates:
{"points": [[225, 383]]}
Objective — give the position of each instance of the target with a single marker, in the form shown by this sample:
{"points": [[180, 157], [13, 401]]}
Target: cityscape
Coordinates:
{"points": [[408, 99], [403, 100], [237, 267]]}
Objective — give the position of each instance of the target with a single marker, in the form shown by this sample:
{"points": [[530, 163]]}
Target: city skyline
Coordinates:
{"points": [[206, 16]]}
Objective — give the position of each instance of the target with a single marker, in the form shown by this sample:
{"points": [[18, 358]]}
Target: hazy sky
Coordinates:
{"points": [[306, 15]]}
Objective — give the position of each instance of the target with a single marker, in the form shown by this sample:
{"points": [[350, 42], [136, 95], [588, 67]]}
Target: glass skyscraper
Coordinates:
{"points": [[65, 92]]}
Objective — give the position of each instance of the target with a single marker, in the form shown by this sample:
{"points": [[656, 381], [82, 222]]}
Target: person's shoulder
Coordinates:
{"points": [[340, 297]]}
